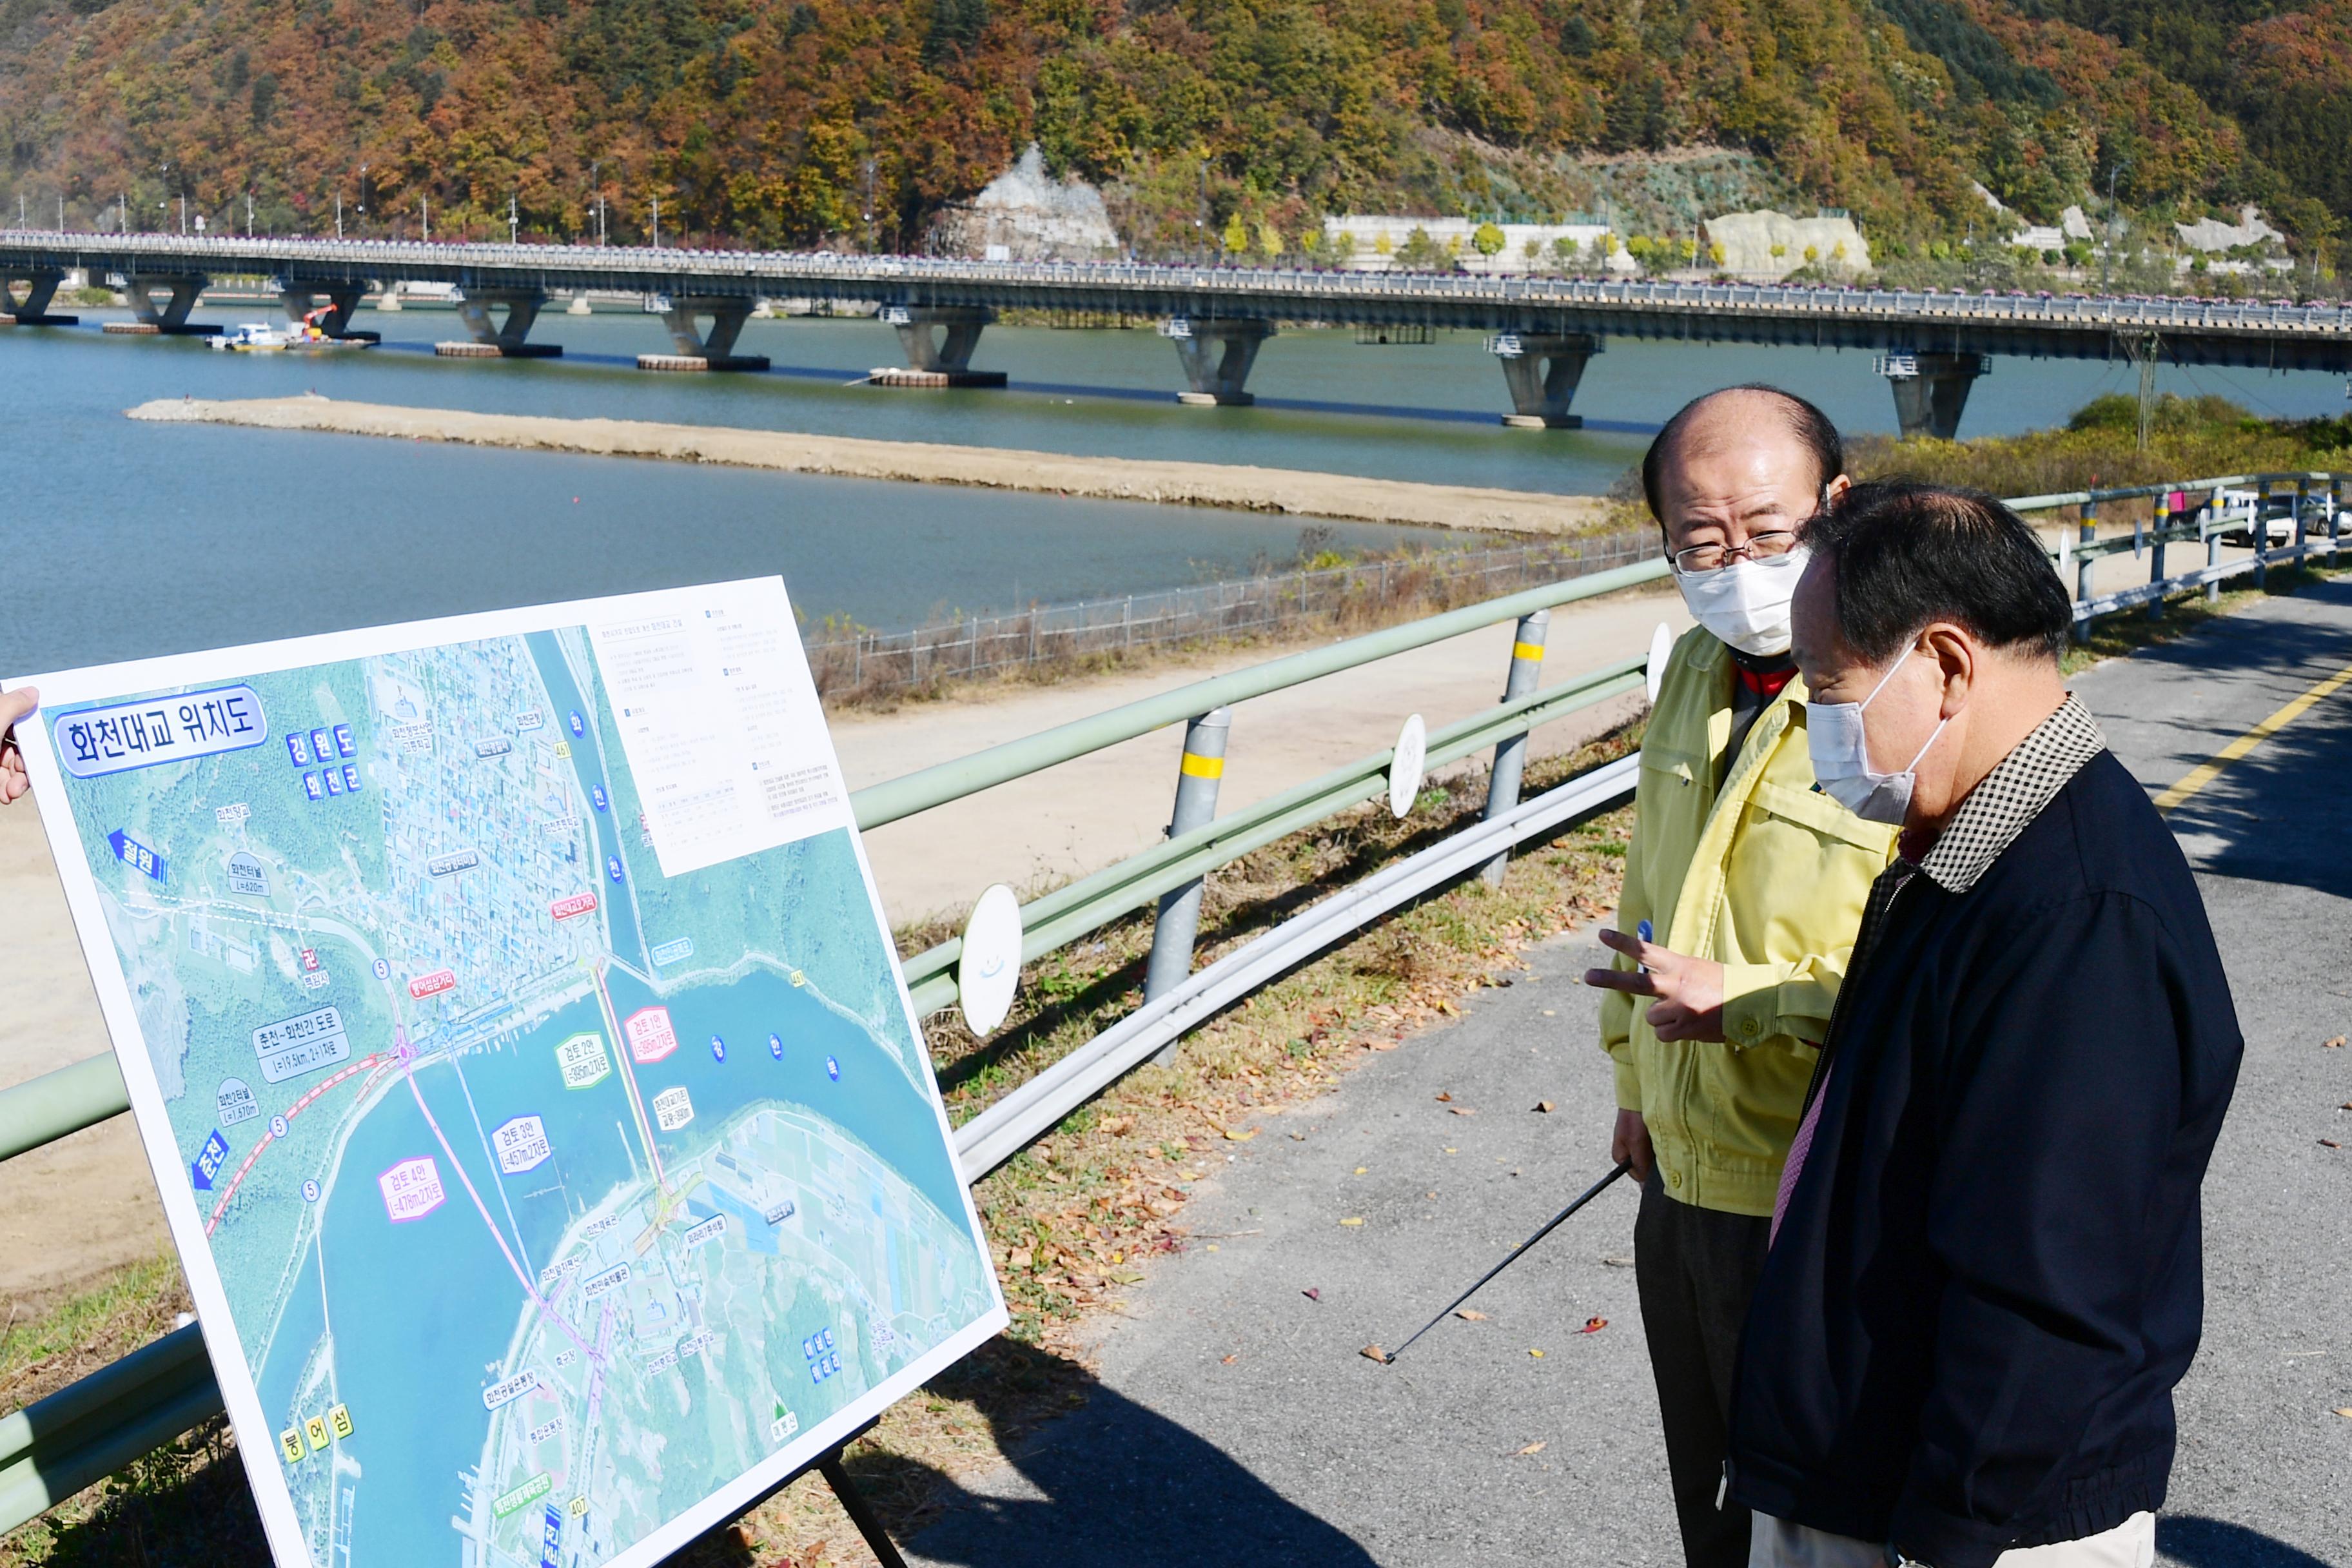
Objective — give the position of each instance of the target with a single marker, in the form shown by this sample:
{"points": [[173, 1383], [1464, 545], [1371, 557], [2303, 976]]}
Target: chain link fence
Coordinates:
{"points": [[860, 664]]}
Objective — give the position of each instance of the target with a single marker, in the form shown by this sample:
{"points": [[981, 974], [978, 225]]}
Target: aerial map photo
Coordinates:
{"points": [[536, 1063]]}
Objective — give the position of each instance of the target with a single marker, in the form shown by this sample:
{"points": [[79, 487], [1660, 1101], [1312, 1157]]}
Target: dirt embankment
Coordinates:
{"points": [[1239, 488]]}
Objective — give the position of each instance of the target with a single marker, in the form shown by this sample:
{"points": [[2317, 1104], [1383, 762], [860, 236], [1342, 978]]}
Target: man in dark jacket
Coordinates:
{"points": [[1984, 1275]]}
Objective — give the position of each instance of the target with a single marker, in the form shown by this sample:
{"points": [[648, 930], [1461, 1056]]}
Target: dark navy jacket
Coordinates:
{"points": [[1989, 1279]]}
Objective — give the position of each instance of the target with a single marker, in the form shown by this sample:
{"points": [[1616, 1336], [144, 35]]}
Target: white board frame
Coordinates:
{"points": [[256, 1434]]}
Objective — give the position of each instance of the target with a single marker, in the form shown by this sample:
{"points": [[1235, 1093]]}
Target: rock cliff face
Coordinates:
{"points": [[1749, 238], [1027, 214]]}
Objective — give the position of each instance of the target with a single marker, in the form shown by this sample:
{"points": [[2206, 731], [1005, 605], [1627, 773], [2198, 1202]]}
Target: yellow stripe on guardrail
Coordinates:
{"points": [[1533, 650], [1204, 767], [2204, 774]]}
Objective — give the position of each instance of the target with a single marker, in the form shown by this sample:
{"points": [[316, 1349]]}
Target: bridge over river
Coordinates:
{"points": [[1930, 346]]}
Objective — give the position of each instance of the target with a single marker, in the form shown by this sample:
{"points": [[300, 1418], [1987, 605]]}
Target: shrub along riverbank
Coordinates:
{"points": [[2190, 438]]}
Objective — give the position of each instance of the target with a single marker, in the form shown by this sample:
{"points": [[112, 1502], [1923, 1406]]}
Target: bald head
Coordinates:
{"points": [[1749, 415], [1746, 459]]}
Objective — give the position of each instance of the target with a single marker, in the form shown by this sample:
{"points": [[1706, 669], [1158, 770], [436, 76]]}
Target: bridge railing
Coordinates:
{"points": [[887, 273], [80, 1434]]}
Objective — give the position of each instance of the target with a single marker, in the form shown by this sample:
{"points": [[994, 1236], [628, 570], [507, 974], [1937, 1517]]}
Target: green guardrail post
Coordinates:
{"points": [[1511, 755], [2302, 516], [2087, 533], [2261, 534], [2165, 518], [1198, 775]]}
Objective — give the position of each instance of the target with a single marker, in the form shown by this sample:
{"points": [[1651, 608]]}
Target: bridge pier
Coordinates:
{"points": [[1542, 370], [1217, 355], [171, 317], [698, 348], [938, 341], [503, 340], [40, 288], [298, 300], [1930, 389]]}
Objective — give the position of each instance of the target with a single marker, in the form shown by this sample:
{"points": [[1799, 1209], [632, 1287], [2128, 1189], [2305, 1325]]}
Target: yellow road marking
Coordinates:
{"points": [[2204, 774]]}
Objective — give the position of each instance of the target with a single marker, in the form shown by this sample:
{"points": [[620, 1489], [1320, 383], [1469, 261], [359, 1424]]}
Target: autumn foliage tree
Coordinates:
{"points": [[850, 122]]}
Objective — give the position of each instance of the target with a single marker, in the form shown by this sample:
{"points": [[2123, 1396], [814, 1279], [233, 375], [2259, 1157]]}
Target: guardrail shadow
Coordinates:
{"points": [[1113, 1481], [2194, 1541]]}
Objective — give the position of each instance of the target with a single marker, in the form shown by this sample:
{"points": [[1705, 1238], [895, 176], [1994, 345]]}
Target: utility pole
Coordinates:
{"points": [[183, 214], [248, 215], [514, 219], [339, 214], [363, 169], [596, 183], [656, 222], [424, 205]]}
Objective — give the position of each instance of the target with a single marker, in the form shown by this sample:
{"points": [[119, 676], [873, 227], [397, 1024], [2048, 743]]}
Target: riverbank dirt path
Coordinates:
{"points": [[85, 1204]]}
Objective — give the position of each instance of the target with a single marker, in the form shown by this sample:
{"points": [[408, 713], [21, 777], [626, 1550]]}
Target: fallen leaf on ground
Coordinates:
{"points": [[1233, 1358], [1374, 1353], [1544, 1105], [1461, 1110], [1353, 1219], [1115, 1125], [1021, 1259], [1537, 1354], [1618, 1262], [2335, 1044], [1238, 1136], [1362, 1169], [2345, 1411], [1471, 1315], [1444, 1095], [1125, 1277], [1551, 1012], [1381, 1045], [1312, 1294], [1536, 1447], [1593, 1325], [2329, 1144]]}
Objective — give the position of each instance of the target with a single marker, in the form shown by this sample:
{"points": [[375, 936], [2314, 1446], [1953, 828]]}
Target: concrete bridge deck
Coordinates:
{"points": [[1931, 345], [1298, 1451]]}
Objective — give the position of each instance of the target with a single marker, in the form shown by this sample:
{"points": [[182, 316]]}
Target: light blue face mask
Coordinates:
{"points": [[1840, 744]]}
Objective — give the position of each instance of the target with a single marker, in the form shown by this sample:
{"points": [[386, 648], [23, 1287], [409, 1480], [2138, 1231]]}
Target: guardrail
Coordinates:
{"points": [[82, 1433], [2196, 511]]}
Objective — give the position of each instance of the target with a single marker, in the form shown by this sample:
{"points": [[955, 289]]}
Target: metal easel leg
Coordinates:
{"points": [[861, 1512]]}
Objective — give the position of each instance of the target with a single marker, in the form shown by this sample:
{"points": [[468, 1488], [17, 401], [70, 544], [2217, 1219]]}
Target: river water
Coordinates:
{"points": [[130, 539]]}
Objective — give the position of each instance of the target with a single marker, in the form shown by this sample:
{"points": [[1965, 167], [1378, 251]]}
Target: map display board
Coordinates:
{"points": [[521, 1049]]}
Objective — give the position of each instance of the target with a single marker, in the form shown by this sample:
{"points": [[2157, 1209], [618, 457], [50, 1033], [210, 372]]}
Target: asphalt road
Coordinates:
{"points": [[1235, 1420]]}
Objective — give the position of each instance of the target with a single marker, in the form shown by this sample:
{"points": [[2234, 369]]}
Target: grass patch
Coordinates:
{"points": [[2191, 438], [41, 1353]]}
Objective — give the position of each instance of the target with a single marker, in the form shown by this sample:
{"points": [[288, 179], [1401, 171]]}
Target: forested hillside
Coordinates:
{"points": [[853, 122]]}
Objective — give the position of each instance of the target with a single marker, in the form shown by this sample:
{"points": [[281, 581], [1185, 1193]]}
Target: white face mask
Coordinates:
{"points": [[1840, 744], [1746, 602]]}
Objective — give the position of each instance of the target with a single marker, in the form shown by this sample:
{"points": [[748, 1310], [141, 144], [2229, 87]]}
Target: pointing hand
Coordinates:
{"points": [[1690, 990]]}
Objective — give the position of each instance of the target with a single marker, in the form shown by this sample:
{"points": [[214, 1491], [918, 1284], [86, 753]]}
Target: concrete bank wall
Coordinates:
{"points": [[1241, 488]]}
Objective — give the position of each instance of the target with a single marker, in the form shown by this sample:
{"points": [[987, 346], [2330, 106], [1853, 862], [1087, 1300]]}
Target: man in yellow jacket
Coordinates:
{"points": [[1744, 888]]}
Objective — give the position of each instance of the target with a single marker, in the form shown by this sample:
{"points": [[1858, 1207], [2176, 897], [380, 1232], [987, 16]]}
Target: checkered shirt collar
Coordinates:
{"points": [[2010, 796]]}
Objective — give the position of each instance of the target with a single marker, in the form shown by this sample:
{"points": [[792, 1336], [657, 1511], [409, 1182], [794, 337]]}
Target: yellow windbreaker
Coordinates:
{"points": [[1767, 877]]}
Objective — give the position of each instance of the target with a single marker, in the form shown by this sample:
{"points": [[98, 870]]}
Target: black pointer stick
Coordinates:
{"points": [[1591, 1193]]}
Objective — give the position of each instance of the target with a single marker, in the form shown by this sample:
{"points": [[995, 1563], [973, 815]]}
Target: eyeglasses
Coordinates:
{"points": [[1715, 557]]}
